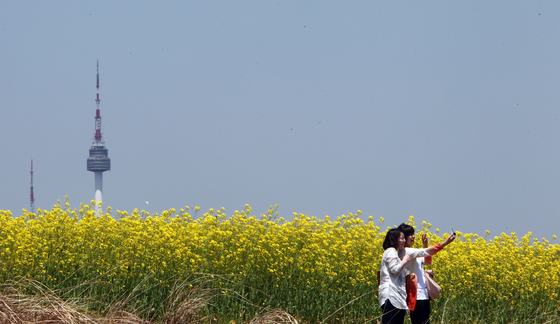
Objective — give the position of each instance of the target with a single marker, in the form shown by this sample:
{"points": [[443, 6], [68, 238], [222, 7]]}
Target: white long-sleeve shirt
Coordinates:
{"points": [[392, 283]]}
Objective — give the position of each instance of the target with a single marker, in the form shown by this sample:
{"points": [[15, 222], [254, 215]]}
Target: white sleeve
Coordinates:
{"points": [[393, 260], [417, 253]]}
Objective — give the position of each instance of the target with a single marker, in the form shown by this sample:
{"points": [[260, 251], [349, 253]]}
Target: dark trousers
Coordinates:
{"points": [[421, 313], [392, 315]]}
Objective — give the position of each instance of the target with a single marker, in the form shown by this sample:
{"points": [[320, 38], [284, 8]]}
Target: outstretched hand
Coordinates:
{"points": [[449, 239]]}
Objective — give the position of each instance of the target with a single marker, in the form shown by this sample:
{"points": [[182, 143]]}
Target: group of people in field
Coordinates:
{"points": [[401, 262]]}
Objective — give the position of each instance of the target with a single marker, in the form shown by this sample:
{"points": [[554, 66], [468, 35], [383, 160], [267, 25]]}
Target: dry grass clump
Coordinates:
{"points": [[122, 317], [185, 303], [46, 307], [28, 301], [274, 316]]}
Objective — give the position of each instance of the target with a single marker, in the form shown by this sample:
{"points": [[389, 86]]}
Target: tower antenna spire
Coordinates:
{"points": [[31, 195], [98, 161], [98, 137]]}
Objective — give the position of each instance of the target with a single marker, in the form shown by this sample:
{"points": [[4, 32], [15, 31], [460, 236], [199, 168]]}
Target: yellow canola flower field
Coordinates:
{"points": [[316, 269]]}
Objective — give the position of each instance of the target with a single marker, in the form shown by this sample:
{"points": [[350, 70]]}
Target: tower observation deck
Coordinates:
{"points": [[98, 161]]}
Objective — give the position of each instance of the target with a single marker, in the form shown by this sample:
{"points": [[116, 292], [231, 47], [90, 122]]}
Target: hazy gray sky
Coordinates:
{"points": [[445, 110]]}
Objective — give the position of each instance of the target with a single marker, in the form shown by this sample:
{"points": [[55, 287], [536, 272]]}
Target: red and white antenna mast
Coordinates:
{"points": [[97, 138], [31, 196]]}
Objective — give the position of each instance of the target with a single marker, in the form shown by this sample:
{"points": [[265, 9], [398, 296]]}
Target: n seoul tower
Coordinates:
{"points": [[98, 161]]}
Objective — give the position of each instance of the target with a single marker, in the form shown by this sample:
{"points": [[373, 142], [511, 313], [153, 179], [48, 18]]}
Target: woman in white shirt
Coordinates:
{"points": [[421, 312], [392, 285], [392, 282]]}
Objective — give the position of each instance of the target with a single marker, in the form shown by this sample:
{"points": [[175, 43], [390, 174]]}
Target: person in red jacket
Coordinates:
{"points": [[418, 300]]}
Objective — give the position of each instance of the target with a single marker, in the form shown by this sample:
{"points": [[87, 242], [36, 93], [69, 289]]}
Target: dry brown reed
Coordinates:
{"points": [[29, 302], [185, 303], [274, 316], [44, 306], [122, 317]]}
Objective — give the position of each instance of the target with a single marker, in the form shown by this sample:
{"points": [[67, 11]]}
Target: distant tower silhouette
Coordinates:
{"points": [[31, 196], [98, 161]]}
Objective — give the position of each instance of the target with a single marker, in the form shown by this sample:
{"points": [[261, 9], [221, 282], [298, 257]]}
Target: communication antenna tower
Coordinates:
{"points": [[98, 161], [31, 196]]}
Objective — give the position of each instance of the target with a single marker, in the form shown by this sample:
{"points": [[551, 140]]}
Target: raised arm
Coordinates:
{"points": [[426, 252], [438, 247]]}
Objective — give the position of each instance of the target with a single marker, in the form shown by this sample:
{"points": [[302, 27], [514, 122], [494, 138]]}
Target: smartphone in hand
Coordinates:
{"points": [[452, 231]]}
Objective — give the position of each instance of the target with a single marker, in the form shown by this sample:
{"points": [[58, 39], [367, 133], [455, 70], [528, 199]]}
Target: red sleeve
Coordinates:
{"points": [[428, 260], [434, 249]]}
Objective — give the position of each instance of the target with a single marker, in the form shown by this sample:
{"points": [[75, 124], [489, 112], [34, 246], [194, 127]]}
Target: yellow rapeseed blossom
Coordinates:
{"points": [[289, 262]]}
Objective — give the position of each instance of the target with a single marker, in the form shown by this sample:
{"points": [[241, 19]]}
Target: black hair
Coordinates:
{"points": [[392, 238], [406, 229]]}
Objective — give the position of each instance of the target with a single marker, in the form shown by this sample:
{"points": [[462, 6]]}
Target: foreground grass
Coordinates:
{"points": [[27, 301]]}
